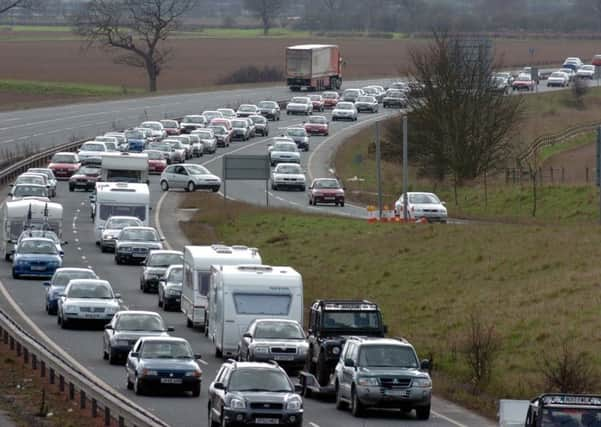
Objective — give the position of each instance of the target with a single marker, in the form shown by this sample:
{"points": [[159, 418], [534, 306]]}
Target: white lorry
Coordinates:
{"points": [[28, 213], [119, 199], [124, 167], [240, 294], [197, 273]]}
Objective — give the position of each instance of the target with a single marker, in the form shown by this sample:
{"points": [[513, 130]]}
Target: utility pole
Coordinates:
{"points": [[379, 170], [599, 168], [405, 169]]}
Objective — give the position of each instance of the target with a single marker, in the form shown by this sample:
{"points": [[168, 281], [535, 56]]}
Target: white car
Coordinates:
{"points": [[91, 149], [283, 151], [87, 300], [113, 227], [422, 205], [586, 72], [558, 78], [190, 177], [192, 122], [210, 115], [571, 73], [573, 63], [197, 147], [288, 175], [111, 142], [158, 131], [300, 105], [207, 137], [49, 177], [121, 139], [22, 191], [227, 113], [246, 110], [344, 111]]}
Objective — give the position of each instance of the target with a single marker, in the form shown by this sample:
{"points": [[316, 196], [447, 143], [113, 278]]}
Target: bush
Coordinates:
{"points": [[579, 90], [568, 370], [253, 74], [480, 346]]}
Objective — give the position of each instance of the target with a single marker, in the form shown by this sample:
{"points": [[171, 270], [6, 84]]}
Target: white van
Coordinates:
{"points": [[197, 273], [242, 293], [119, 199]]}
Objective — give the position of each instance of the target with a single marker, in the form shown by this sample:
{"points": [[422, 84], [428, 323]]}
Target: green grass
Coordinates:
{"points": [[61, 88], [551, 150], [36, 28], [536, 284]]}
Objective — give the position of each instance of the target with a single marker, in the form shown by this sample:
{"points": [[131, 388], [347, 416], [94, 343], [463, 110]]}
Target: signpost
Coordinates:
{"points": [[246, 168]]}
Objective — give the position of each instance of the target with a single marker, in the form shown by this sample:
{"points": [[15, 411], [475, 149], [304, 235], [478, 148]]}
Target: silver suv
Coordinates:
{"points": [[382, 373]]}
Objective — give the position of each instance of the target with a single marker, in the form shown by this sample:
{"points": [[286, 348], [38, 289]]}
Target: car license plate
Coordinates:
{"points": [[329, 198], [396, 393], [91, 316], [267, 421], [38, 267], [283, 357], [171, 380]]}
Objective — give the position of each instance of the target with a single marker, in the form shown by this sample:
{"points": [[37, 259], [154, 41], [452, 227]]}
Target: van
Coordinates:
{"points": [[197, 272], [240, 294]]}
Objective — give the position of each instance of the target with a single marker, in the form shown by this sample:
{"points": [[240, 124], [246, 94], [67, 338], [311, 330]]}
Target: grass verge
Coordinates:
{"points": [[552, 150], [536, 284], [36, 87]]}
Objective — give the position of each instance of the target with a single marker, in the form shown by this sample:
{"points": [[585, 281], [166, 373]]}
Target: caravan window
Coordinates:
{"points": [[204, 279], [277, 305], [107, 211]]}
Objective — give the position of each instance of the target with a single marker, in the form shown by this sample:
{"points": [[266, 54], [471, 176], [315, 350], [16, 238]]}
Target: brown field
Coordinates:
{"points": [[199, 63]]}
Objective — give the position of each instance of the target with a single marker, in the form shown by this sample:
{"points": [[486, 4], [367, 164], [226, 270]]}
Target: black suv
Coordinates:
{"points": [[330, 322], [253, 393]]}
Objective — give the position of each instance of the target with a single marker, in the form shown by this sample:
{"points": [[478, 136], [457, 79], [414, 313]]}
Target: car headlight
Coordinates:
{"points": [[173, 292], [196, 373], [111, 310], [261, 350], [422, 382], [368, 381], [148, 372], [121, 342], [294, 404], [336, 350], [70, 308], [124, 249], [237, 404]]}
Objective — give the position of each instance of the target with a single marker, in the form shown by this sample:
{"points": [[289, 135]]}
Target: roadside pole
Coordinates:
{"points": [[405, 169], [379, 170], [598, 171]]}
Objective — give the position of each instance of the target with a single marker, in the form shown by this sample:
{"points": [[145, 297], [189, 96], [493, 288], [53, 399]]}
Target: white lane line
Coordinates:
{"points": [[449, 420], [202, 362], [90, 267], [78, 248], [157, 223], [76, 240], [83, 257], [312, 424]]}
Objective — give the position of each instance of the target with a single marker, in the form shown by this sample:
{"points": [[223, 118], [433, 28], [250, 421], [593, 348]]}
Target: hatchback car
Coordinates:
{"points": [[246, 110], [317, 125], [112, 228], [284, 152], [227, 113], [367, 103], [36, 257], [289, 176], [51, 179], [91, 149], [171, 127], [59, 281], [261, 125], [394, 98], [85, 178], [351, 95], [422, 205], [21, 191], [330, 99], [63, 165], [317, 101], [299, 105], [87, 300], [344, 111], [170, 288], [45, 234], [134, 243], [241, 129], [156, 161], [208, 140], [124, 330], [165, 149], [326, 190], [160, 363], [156, 264], [269, 109], [222, 135], [190, 177]]}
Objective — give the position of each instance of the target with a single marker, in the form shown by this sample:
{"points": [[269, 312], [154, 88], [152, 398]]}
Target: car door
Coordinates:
{"points": [[181, 176], [132, 362], [348, 371], [217, 396]]}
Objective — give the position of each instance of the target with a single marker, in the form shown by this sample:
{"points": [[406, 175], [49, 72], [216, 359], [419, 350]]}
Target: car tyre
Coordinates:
{"points": [[340, 404], [160, 303], [323, 376], [356, 406], [164, 185], [118, 260], [71, 188], [190, 187], [112, 357], [138, 389], [196, 390], [189, 323], [218, 352], [129, 384], [211, 422], [64, 323], [422, 412]]}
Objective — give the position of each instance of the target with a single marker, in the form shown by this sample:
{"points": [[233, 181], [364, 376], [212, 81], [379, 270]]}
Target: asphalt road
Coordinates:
{"points": [[85, 344]]}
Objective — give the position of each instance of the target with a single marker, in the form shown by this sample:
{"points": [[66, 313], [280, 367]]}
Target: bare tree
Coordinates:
{"points": [[138, 27], [480, 346], [6, 5], [265, 10], [568, 370], [461, 125]]}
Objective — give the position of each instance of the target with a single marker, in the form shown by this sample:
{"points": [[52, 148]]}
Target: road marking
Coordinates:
{"points": [[78, 248], [203, 362], [157, 222], [312, 424], [447, 419]]}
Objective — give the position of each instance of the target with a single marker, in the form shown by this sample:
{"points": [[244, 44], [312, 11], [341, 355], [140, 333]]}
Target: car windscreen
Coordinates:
{"points": [[351, 320], [267, 104], [296, 132], [140, 322], [30, 179], [288, 169], [285, 147], [570, 417], [164, 260], [330, 95], [387, 356], [246, 108], [318, 119], [63, 158], [169, 123], [204, 135], [424, 199], [88, 170], [107, 211], [62, 278], [197, 170], [37, 247], [29, 190], [270, 380], [119, 223], [154, 155], [138, 236], [258, 119], [193, 119], [344, 106], [93, 147], [330, 183], [176, 275], [239, 123], [262, 304], [90, 290], [166, 350], [277, 330], [557, 74], [299, 100]]}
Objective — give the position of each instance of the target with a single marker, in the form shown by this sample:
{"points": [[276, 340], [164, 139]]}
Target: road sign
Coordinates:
{"points": [[246, 168]]}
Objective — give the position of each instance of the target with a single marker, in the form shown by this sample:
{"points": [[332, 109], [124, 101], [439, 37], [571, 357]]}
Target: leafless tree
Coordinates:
{"points": [[265, 10], [138, 27], [460, 124], [333, 8], [6, 5], [481, 345], [568, 369]]}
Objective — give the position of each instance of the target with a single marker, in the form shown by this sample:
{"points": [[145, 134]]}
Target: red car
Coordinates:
{"points": [[85, 178], [317, 125], [326, 190], [330, 99], [317, 101], [156, 161], [171, 127], [523, 82], [221, 122], [64, 165]]}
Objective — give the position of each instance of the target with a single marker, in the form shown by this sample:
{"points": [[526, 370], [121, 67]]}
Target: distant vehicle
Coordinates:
{"points": [[344, 111], [261, 124], [59, 281], [330, 99], [33, 178], [288, 175], [596, 61], [51, 179], [134, 243], [351, 95], [186, 144], [36, 257], [170, 288], [165, 149], [207, 137], [299, 105], [120, 137], [313, 67], [299, 135], [573, 63], [246, 110], [269, 109], [222, 135], [242, 390], [500, 85], [63, 165], [274, 339], [163, 363], [558, 78], [504, 75], [317, 125], [190, 177], [156, 161], [22, 191], [523, 82], [210, 115], [422, 205], [124, 330], [557, 409], [367, 103], [570, 72], [85, 178], [375, 91], [241, 130], [113, 227], [401, 85], [156, 264], [136, 140], [87, 300], [192, 122], [179, 149], [91, 149], [586, 72], [284, 152], [326, 190], [382, 373], [227, 113], [394, 98], [226, 123], [317, 101], [196, 145], [158, 132], [171, 127]]}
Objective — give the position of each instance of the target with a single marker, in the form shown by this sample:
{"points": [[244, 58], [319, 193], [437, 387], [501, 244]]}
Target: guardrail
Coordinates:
{"points": [[101, 400], [556, 138]]}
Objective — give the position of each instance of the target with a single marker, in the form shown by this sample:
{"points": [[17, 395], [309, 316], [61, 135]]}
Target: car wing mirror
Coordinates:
{"points": [[117, 295], [248, 335], [298, 388], [46, 284], [108, 326], [443, 203], [197, 356], [219, 386], [425, 365], [134, 354]]}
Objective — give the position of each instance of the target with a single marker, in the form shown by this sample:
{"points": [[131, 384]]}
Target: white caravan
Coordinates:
{"points": [[20, 214], [125, 167], [119, 199], [197, 273], [242, 293]]}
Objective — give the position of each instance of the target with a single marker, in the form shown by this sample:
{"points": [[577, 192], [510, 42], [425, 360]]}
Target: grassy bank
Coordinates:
{"points": [[552, 150], [537, 285], [63, 88]]}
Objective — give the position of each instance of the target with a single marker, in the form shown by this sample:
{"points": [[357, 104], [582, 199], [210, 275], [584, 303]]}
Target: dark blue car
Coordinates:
{"points": [[59, 282], [36, 257], [136, 141]]}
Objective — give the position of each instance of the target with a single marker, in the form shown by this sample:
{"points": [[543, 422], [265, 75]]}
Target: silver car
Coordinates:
{"points": [[274, 339], [367, 103], [246, 110], [134, 244], [158, 131], [422, 205], [112, 228], [179, 149], [192, 122], [210, 115], [300, 105], [196, 144], [186, 143], [269, 109], [284, 152], [344, 111], [288, 175], [207, 137], [51, 179], [227, 113], [241, 129], [190, 177], [170, 288], [87, 300]]}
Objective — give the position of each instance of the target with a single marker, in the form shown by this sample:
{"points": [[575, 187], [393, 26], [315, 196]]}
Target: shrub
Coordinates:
{"points": [[253, 74], [568, 370], [480, 346]]}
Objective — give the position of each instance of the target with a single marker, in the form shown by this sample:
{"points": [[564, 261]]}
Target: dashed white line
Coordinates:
{"points": [[312, 424], [78, 248], [83, 257]]}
